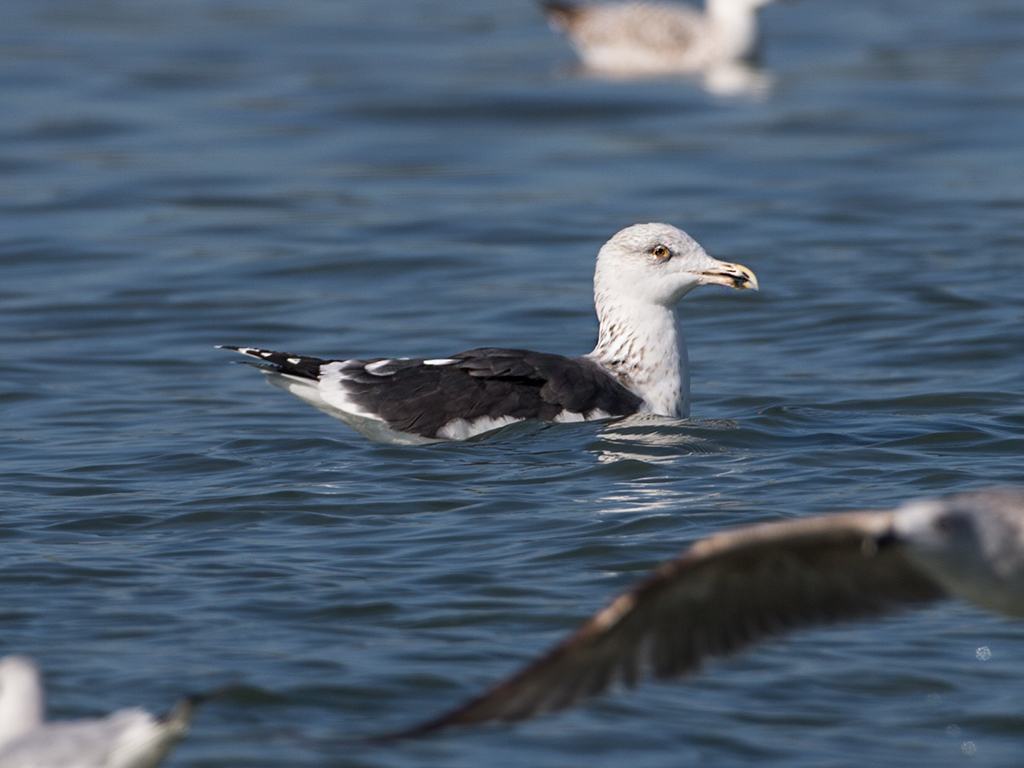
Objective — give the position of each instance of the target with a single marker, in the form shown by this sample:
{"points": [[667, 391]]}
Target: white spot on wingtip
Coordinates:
{"points": [[340, 370], [460, 429], [566, 417], [440, 361]]}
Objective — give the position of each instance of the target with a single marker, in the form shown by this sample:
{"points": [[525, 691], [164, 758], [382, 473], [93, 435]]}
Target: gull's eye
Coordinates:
{"points": [[661, 252]]}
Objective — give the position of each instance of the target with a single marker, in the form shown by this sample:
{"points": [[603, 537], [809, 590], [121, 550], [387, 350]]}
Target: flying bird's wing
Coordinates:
{"points": [[722, 594]]}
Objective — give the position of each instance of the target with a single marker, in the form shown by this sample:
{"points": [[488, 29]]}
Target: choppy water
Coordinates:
{"points": [[416, 178]]}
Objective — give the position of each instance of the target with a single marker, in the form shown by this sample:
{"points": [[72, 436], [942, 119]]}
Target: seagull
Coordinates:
{"points": [[638, 366], [129, 738], [738, 587], [658, 38]]}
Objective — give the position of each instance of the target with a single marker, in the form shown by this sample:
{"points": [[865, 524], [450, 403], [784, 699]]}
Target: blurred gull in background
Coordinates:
{"points": [[652, 39], [129, 738]]}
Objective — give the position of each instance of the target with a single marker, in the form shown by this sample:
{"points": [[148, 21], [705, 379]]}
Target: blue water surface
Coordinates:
{"points": [[418, 177]]}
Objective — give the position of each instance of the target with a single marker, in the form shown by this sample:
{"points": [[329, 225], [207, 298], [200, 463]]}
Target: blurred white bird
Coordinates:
{"points": [[738, 587], [129, 738], [646, 39]]}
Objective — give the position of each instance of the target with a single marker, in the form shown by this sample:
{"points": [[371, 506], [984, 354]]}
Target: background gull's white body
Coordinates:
{"points": [[658, 38], [128, 738]]}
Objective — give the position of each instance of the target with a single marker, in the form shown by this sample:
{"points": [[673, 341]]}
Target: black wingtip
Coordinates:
{"points": [[418, 731], [465, 715], [280, 362], [180, 716], [186, 706], [560, 14]]}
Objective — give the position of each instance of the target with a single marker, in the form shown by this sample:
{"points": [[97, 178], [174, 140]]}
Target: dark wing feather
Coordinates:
{"points": [[281, 362], [722, 594], [562, 15], [421, 399], [493, 383]]}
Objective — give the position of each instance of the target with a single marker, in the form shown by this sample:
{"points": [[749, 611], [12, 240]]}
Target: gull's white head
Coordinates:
{"points": [[641, 274], [21, 697], [657, 264], [972, 544]]}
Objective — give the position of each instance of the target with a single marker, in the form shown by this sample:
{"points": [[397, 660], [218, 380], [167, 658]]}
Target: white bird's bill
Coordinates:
{"points": [[639, 364], [738, 587], [129, 738]]}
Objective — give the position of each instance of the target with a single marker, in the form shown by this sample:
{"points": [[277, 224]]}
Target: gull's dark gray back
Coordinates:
{"points": [[488, 383]]}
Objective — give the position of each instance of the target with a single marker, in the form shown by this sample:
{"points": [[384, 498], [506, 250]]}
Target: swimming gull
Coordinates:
{"points": [[658, 38], [735, 588], [129, 738], [638, 366]]}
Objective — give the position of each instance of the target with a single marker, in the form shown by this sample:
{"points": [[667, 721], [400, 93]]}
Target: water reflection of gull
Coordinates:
{"points": [[129, 738], [735, 588], [655, 439], [650, 39], [638, 365]]}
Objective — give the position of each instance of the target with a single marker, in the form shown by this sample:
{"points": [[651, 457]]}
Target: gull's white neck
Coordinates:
{"points": [[641, 345], [733, 26]]}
